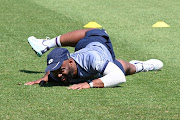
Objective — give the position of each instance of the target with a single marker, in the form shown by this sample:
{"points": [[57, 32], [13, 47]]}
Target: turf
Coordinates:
{"points": [[151, 95]]}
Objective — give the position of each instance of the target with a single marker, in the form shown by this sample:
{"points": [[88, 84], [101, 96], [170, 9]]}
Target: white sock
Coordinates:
{"points": [[139, 67], [55, 42]]}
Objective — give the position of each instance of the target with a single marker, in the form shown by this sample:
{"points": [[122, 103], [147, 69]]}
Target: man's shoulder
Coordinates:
{"points": [[84, 54]]}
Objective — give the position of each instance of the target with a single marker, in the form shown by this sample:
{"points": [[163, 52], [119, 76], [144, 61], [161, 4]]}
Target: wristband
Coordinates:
{"points": [[90, 82]]}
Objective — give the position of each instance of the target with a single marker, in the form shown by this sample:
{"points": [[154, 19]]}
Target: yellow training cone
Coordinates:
{"points": [[160, 24], [92, 25]]}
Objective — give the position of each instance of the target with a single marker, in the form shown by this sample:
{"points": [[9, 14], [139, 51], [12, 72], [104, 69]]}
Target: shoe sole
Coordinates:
{"points": [[37, 53]]}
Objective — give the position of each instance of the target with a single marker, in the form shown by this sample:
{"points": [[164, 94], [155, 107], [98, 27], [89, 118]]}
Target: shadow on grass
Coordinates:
{"points": [[30, 72], [55, 84], [52, 84]]}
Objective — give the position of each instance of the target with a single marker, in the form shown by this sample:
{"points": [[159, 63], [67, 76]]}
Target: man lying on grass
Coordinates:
{"points": [[93, 64]]}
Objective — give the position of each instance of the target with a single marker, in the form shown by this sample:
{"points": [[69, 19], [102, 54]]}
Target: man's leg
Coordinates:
{"points": [[40, 46], [128, 67], [136, 66]]}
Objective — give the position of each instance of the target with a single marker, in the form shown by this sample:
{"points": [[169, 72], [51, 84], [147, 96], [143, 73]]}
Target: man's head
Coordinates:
{"points": [[56, 58], [61, 65]]}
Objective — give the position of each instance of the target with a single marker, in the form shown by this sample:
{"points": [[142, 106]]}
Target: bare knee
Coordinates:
{"points": [[128, 67]]}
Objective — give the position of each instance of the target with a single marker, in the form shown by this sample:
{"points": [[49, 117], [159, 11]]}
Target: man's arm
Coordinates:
{"points": [[96, 83], [113, 76], [45, 78], [72, 38]]}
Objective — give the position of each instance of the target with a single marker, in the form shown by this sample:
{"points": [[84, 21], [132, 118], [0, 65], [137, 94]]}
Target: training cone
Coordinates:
{"points": [[160, 24], [92, 25]]}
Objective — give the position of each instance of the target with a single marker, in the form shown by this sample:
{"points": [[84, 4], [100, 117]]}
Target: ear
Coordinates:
{"points": [[71, 61]]}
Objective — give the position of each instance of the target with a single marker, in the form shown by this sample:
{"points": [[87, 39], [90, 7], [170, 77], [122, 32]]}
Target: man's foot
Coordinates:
{"points": [[149, 65], [38, 46]]}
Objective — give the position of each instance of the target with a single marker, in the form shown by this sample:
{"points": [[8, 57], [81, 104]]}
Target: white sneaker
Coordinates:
{"points": [[149, 65], [38, 46]]}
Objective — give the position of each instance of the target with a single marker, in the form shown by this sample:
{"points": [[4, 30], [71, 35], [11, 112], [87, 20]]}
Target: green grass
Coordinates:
{"points": [[151, 95]]}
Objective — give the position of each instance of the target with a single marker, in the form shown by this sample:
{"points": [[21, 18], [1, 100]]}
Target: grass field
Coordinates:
{"points": [[151, 95]]}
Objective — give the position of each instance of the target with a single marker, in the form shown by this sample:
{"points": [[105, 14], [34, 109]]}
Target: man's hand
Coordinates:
{"points": [[33, 82], [97, 83], [79, 86], [44, 78]]}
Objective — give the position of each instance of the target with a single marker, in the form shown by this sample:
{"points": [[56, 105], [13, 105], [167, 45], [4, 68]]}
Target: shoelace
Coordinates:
{"points": [[147, 67]]}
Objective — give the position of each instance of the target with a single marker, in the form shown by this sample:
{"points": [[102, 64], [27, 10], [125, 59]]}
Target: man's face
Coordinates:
{"points": [[64, 73]]}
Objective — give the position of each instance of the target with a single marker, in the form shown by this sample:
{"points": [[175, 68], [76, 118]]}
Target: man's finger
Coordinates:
{"points": [[80, 88], [29, 83], [74, 87]]}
